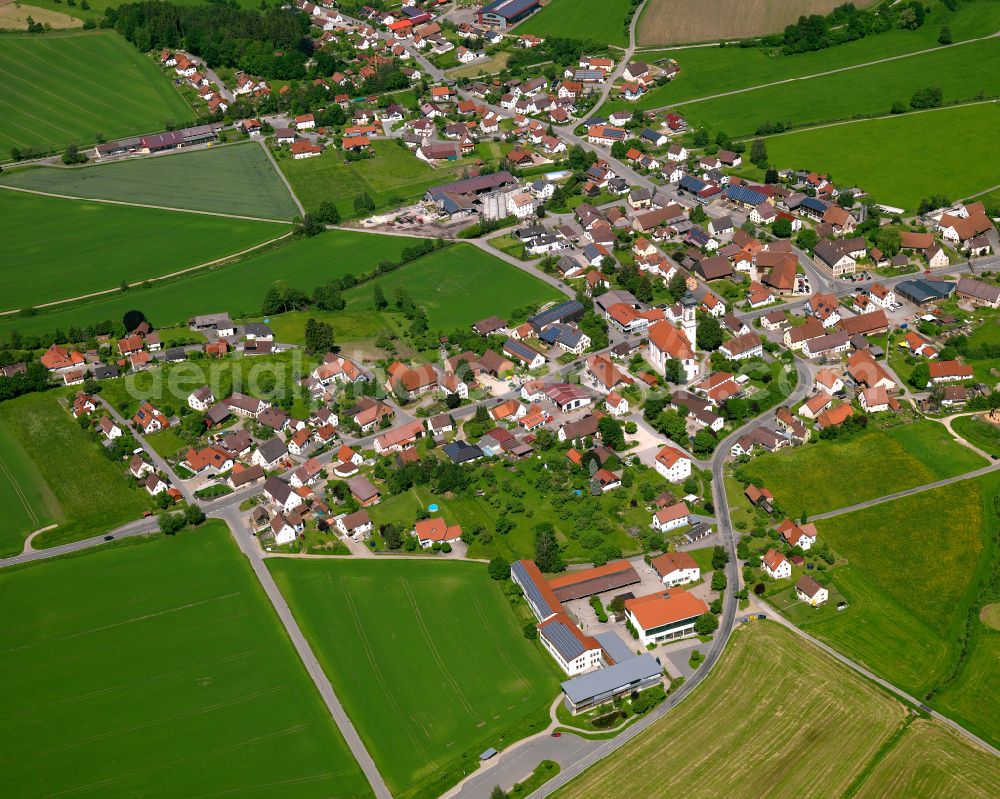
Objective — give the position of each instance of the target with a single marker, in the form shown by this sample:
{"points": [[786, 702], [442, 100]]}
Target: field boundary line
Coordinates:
{"points": [[145, 205], [276, 168], [203, 266], [807, 128], [19, 493], [982, 471], [828, 72]]}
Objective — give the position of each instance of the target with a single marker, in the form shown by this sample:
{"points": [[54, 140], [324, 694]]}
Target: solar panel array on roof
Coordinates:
{"points": [[742, 194], [532, 591], [557, 313], [562, 638], [692, 184], [814, 205]]}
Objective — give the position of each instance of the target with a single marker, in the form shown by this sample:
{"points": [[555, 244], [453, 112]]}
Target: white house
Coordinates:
{"points": [[811, 592], [281, 494], [436, 531], [575, 652], [671, 517], [776, 565], [285, 527], [676, 568], [110, 429], [269, 453], [616, 404], [201, 399], [796, 535], [357, 525], [673, 464]]}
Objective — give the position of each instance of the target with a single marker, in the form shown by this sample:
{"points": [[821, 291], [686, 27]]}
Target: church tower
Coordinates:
{"points": [[688, 303]]}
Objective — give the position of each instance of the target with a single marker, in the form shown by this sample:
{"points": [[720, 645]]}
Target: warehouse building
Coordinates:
{"points": [[502, 14]]}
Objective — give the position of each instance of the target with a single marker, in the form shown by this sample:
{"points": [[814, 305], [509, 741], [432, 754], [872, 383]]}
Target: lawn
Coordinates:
{"points": [[981, 434], [91, 491], [490, 66], [851, 152], [159, 669], [915, 567], [238, 288], [166, 443], [707, 71], [428, 659], [602, 20], [64, 88], [867, 90], [392, 177], [933, 762], [56, 249], [458, 286], [27, 501], [236, 179], [870, 465], [770, 695]]}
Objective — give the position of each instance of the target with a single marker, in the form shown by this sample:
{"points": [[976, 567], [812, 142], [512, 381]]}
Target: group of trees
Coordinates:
{"points": [[846, 23], [272, 43], [173, 523]]}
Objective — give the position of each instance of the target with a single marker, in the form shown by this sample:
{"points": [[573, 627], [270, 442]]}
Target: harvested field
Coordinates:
{"points": [[15, 17], [680, 21], [932, 762], [770, 695]]}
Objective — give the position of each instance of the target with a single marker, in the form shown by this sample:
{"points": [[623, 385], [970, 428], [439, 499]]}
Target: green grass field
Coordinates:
{"points": [[802, 479], [603, 20], [428, 659], [440, 283], [238, 179], [933, 762], [56, 249], [238, 288], [706, 71], [770, 695], [27, 501], [982, 434], [64, 88], [936, 544], [159, 669], [392, 177], [91, 492], [864, 91], [854, 153]]}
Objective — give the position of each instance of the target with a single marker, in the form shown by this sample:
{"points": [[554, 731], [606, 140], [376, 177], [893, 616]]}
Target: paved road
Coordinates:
{"points": [[588, 757], [248, 545], [158, 461]]}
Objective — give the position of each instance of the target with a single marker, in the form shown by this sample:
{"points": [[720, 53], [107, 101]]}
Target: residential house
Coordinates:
{"points": [[676, 568], [776, 565]]}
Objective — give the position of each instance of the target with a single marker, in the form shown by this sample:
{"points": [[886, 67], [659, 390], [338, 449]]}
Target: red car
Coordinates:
{"points": [[557, 735]]}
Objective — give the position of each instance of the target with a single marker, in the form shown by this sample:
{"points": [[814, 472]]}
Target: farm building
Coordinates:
{"points": [[502, 14]]}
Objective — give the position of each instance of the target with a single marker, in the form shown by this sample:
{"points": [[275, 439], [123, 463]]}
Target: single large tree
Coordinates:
{"points": [[708, 334], [758, 153]]}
